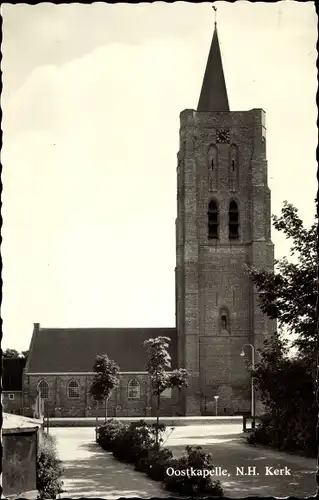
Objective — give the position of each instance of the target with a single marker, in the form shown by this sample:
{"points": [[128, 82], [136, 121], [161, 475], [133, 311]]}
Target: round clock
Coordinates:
{"points": [[222, 136]]}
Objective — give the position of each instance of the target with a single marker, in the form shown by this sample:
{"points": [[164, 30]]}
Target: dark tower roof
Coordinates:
{"points": [[213, 96]]}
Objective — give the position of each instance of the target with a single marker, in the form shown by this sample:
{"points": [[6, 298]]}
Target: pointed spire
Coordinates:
{"points": [[213, 96]]}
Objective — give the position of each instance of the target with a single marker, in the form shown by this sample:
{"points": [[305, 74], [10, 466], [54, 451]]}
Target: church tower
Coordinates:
{"points": [[223, 223]]}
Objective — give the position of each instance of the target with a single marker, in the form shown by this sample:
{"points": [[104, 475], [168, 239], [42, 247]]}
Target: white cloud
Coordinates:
{"points": [[90, 149]]}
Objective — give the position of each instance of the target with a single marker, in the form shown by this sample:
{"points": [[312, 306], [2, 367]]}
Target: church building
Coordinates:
{"points": [[223, 224]]}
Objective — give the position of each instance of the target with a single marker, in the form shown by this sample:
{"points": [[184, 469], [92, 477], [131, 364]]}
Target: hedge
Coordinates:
{"points": [[135, 443]]}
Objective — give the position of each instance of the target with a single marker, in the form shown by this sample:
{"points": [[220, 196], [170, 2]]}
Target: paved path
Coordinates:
{"points": [[92, 472], [229, 450]]}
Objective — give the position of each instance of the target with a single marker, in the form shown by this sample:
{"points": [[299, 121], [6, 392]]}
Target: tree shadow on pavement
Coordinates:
{"points": [[102, 476], [240, 437], [227, 455], [92, 448], [93, 472]]}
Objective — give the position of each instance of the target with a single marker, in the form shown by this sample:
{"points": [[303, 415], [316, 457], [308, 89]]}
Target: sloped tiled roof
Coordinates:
{"points": [[12, 373], [62, 350]]}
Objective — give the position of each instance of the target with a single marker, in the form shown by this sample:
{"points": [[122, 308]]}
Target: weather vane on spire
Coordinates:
{"points": [[215, 10]]}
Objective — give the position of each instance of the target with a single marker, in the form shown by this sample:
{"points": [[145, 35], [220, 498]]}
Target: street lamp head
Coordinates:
{"points": [[216, 397], [242, 353]]}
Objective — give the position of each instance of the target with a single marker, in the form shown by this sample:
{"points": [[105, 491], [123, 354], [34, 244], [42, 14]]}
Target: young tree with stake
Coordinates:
{"points": [[159, 361], [106, 379]]}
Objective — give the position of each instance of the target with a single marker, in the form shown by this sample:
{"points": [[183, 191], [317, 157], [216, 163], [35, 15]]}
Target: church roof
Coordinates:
{"points": [[63, 350], [213, 96]]}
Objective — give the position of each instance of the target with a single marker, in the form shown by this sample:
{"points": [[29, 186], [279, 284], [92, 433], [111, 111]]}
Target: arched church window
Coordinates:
{"points": [[213, 220], [73, 390], [133, 389], [233, 217], [233, 164], [43, 389]]}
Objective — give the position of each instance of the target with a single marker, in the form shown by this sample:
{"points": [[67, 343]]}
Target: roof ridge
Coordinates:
{"points": [[106, 328]]}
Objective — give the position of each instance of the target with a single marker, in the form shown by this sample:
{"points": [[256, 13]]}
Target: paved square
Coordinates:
{"points": [[92, 472]]}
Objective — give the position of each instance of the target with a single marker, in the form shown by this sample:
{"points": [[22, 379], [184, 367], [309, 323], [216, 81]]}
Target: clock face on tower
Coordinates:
{"points": [[222, 136]]}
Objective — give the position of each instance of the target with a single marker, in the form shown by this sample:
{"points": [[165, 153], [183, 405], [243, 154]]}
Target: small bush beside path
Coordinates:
{"points": [[49, 468]]}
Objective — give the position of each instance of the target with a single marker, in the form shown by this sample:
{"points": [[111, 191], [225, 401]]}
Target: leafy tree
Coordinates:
{"points": [[11, 353], [106, 378], [286, 387], [159, 361], [289, 294]]}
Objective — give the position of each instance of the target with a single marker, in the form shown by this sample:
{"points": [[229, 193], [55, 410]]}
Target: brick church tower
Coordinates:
{"points": [[223, 222]]}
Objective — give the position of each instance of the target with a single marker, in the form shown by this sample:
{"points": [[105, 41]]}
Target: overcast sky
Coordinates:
{"points": [[91, 103]]}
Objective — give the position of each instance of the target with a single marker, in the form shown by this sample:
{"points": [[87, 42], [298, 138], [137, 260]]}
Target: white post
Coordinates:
{"points": [[216, 399]]}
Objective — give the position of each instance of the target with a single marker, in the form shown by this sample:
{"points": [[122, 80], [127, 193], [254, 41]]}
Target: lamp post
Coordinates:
{"points": [[252, 378], [216, 399]]}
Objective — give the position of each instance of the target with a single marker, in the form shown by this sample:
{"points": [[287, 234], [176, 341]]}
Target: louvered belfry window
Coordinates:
{"points": [[213, 220], [233, 221]]}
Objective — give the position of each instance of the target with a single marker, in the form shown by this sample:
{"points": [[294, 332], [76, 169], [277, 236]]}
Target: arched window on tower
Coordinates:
{"points": [[213, 156], [213, 220], [43, 389], [233, 221], [212, 166], [73, 390], [224, 321], [233, 167], [133, 389]]}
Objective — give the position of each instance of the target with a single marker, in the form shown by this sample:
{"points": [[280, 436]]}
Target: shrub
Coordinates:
{"points": [[49, 468], [155, 463], [260, 434], [287, 436], [286, 388], [109, 432], [193, 485], [134, 443]]}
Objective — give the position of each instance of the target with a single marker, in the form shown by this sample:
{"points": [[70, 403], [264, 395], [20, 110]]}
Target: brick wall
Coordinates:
{"points": [[210, 275], [119, 404], [12, 405]]}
